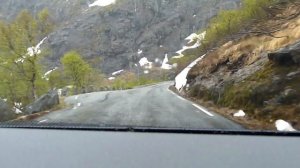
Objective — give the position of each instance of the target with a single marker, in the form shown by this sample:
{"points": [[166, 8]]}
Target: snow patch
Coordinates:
{"points": [[180, 80], [165, 64], [140, 51], [145, 63], [48, 73], [17, 107], [111, 78], [117, 72], [17, 111], [178, 56], [282, 125], [191, 38], [240, 113], [146, 72], [31, 51], [102, 3]]}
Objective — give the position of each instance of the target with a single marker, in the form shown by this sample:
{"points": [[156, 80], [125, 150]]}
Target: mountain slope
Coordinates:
{"points": [[116, 33], [256, 71]]}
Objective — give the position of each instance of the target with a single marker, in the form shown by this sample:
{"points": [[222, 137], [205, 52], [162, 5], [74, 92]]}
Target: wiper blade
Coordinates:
{"points": [[139, 129]]}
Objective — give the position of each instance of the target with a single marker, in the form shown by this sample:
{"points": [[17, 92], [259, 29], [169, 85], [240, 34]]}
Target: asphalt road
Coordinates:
{"points": [[154, 106]]}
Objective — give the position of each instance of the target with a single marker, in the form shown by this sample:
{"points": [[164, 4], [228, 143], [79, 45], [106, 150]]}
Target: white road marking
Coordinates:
{"points": [[172, 92], [42, 121], [195, 105], [203, 110], [181, 98]]}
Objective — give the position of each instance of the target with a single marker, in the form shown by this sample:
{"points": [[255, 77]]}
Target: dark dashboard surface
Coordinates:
{"points": [[37, 148]]}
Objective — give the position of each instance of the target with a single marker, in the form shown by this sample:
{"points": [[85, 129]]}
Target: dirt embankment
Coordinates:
{"points": [[257, 71]]}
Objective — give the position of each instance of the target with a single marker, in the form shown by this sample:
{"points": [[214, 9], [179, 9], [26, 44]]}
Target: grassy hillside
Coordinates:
{"points": [[238, 74]]}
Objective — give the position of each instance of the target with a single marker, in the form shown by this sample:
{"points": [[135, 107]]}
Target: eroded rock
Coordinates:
{"points": [[45, 102]]}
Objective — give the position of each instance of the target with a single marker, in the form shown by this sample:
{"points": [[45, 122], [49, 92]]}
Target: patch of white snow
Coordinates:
{"points": [[240, 113], [117, 72], [48, 73], [282, 125], [102, 3], [165, 64], [144, 61], [180, 80], [140, 51], [17, 111], [191, 38], [111, 78], [31, 51], [178, 56]]}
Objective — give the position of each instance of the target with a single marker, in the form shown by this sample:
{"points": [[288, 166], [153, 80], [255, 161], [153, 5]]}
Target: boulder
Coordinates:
{"points": [[288, 96], [6, 112], [286, 56], [45, 102]]}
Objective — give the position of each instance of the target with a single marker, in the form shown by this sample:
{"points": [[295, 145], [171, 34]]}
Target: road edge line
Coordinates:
{"points": [[203, 110]]}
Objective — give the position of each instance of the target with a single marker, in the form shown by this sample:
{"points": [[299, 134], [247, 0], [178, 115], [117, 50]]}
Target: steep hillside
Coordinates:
{"points": [[116, 33], [61, 10], [257, 71]]}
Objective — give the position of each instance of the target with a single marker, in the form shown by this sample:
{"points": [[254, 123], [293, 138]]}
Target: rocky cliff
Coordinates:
{"points": [[115, 33]]}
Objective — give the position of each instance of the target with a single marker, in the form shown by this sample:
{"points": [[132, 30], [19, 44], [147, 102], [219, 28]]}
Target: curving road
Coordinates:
{"points": [[154, 106]]}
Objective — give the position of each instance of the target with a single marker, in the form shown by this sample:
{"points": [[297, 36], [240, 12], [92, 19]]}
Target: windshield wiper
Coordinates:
{"points": [[139, 129]]}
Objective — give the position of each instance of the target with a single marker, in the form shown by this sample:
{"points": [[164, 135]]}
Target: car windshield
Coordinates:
{"points": [[174, 64]]}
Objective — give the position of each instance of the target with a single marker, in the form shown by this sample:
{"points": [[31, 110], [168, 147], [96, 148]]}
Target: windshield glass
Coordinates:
{"points": [[180, 64]]}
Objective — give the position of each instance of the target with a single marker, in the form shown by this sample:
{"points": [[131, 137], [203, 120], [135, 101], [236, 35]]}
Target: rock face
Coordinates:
{"points": [[45, 102], [116, 33], [61, 10], [6, 112], [286, 56]]}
